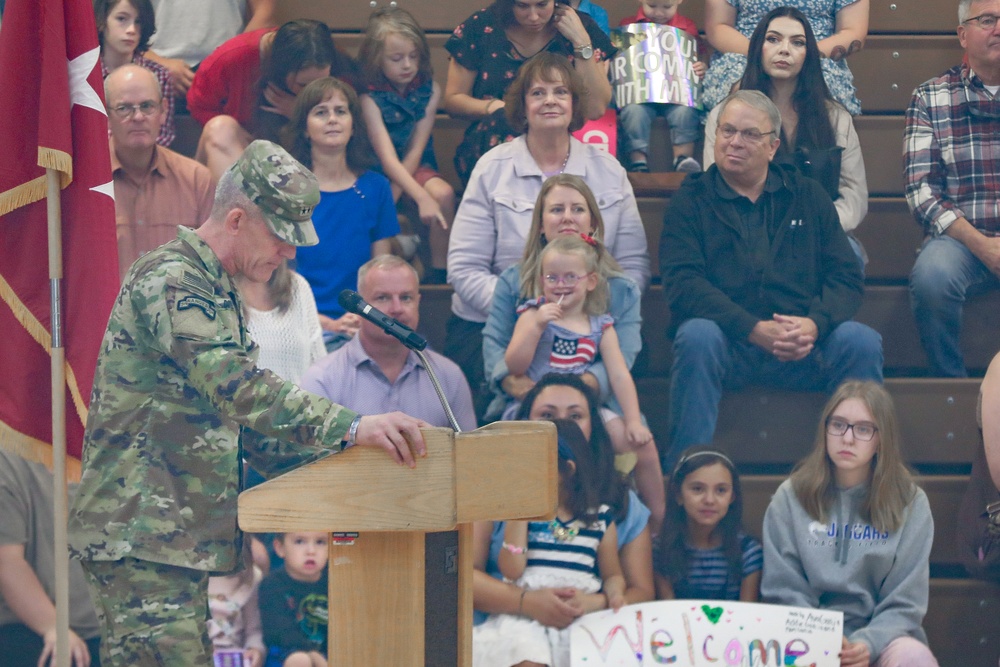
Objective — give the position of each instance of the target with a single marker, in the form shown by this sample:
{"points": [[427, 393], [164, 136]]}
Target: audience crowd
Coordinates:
{"points": [[542, 240]]}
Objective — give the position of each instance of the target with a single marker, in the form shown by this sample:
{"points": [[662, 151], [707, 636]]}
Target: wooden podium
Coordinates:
{"points": [[507, 470]]}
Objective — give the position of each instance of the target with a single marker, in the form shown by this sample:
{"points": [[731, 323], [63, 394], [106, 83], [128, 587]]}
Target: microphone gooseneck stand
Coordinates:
{"points": [[352, 302], [439, 391]]}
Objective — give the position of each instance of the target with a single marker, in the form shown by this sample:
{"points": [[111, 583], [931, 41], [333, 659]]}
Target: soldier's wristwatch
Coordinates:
{"points": [[586, 52]]}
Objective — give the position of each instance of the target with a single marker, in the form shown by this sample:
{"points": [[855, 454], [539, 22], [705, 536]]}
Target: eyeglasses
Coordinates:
{"points": [[567, 279], [126, 111], [751, 135], [984, 21], [862, 430]]}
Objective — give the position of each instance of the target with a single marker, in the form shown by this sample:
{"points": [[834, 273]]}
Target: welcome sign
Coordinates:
{"points": [[708, 633], [654, 64]]}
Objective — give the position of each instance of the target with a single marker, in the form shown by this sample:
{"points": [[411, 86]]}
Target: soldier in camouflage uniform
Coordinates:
{"points": [[178, 401]]}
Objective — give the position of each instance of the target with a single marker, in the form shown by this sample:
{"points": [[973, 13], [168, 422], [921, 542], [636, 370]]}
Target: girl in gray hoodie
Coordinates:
{"points": [[851, 531]]}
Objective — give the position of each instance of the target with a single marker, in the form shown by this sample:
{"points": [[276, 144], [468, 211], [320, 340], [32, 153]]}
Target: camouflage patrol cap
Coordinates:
{"points": [[284, 190]]}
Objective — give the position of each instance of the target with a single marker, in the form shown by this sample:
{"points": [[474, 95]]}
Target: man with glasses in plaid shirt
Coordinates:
{"points": [[952, 171]]}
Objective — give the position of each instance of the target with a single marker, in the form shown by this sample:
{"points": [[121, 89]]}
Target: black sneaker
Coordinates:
{"points": [[639, 167]]}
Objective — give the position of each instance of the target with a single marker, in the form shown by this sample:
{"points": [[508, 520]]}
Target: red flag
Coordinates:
{"points": [[52, 116]]}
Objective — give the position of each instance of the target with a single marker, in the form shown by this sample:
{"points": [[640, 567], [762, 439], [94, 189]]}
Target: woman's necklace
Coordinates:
{"points": [[563, 531], [525, 50], [357, 190], [549, 174]]}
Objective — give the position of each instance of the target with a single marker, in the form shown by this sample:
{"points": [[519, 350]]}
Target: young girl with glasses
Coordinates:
{"points": [[851, 531], [565, 327]]}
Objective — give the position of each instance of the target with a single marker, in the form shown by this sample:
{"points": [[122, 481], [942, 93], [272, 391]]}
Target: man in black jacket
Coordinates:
{"points": [[760, 276]]}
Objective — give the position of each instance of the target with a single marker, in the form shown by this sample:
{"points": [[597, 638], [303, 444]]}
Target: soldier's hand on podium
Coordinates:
{"points": [[392, 431]]}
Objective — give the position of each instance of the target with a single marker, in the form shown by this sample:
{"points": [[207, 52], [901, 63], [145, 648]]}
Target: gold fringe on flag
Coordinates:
{"points": [[22, 195], [42, 336], [61, 161], [35, 189]]}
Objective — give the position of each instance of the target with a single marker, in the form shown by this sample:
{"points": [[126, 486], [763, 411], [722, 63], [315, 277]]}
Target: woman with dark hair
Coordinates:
{"points": [[703, 552], [356, 215], [851, 531], [567, 397], [246, 88], [840, 25], [493, 220], [490, 47], [816, 131]]}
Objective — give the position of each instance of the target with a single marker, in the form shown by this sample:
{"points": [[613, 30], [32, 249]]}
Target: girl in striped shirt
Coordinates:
{"points": [[703, 552], [575, 553]]}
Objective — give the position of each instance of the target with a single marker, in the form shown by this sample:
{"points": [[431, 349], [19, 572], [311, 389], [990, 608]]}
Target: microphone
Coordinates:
{"points": [[352, 302]]}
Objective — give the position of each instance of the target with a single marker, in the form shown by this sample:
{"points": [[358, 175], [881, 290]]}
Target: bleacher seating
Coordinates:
{"points": [[767, 431]]}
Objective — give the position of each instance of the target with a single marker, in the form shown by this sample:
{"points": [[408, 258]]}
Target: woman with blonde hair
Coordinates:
{"points": [[851, 531], [566, 206], [283, 320]]}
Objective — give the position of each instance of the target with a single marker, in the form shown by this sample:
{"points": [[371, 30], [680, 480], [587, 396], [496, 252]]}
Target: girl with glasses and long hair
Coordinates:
{"points": [[851, 531]]}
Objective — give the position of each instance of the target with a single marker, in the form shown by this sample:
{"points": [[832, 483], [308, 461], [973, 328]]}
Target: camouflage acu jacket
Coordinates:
{"points": [[177, 396]]}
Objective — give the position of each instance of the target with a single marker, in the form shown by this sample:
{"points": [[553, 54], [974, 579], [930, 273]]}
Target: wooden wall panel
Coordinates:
{"points": [[887, 310], [916, 16], [963, 622], [890, 67], [767, 426], [882, 147], [448, 133], [891, 236]]}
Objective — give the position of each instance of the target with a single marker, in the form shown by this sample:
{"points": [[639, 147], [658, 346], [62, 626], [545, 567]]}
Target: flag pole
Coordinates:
{"points": [[61, 556]]}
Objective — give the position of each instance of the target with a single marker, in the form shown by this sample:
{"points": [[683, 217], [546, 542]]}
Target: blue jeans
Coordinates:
{"points": [[637, 119], [944, 274], [706, 361]]}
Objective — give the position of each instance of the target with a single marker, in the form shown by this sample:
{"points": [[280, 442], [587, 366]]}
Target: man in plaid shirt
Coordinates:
{"points": [[952, 171]]}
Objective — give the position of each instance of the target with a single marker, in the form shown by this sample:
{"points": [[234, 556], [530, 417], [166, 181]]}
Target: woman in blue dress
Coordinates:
{"points": [[841, 27]]}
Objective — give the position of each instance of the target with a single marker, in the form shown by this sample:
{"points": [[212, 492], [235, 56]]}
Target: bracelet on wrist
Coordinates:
{"points": [[513, 548], [352, 434]]}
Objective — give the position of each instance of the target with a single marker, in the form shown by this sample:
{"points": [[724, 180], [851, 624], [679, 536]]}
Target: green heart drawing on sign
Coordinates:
{"points": [[713, 614]]}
